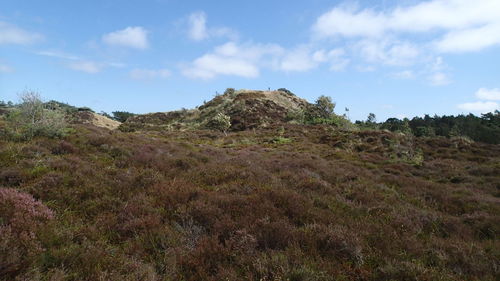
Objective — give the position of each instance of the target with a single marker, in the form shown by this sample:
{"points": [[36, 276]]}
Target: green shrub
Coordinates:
{"points": [[286, 91], [220, 122], [281, 140], [34, 118], [425, 131], [229, 91], [321, 109], [296, 116], [122, 116]]}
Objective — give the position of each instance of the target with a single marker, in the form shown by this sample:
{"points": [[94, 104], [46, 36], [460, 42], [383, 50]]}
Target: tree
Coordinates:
{"points": [[372, 118], [34, 118], [325, 106], [346, 114], [122, 116], [286, 91]]}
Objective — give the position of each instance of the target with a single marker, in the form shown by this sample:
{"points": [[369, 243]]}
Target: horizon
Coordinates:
{"points": [[395, 58]]}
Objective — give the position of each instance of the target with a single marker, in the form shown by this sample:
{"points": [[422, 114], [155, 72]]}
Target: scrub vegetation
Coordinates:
{"points": [[167, 197]]}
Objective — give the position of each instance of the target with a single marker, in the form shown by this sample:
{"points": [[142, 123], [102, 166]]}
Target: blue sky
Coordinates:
{"points": [[392, 58]]}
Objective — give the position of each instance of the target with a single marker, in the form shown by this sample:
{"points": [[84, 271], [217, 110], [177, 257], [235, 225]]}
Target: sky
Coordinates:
{"points": [[393, 58]]}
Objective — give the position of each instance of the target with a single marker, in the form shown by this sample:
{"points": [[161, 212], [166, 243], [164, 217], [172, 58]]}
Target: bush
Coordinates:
{"points": [[295, 116], [286, 91], [34, 118], [20, 216], [220, 122], [321, 109], [229, 92]]}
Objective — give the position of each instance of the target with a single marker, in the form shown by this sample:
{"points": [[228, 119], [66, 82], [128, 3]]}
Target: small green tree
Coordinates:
{"points": [[320, 112], [423, 131], [220, 122], [34, 118], [405, 128], [372, 118], [122, 116], [325, 106], [286, 91]]}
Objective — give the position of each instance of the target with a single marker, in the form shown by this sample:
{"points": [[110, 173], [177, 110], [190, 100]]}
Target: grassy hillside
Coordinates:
{"points": [[290, 202], [246, 109]]}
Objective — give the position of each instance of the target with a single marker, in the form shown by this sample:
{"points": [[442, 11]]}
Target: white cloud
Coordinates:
{"points": [[488, 94], [437, 72], [304, 58], [479, 106], [149, 74], [472, 39], [439, 79], [132, 37], [11, 34], [346, 22], [405, 74], [301, 59], [467, 25], [365, 68], [246, 60], [57, 54], [388, 52], [209, 66], [5, 69], [86, 66], [198, 26], [335, 57], [199, 31], [78, 63], [233, 59]]}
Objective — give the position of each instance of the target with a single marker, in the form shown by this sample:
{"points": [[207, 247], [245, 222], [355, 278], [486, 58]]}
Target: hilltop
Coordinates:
{"points": [[247, 109]]}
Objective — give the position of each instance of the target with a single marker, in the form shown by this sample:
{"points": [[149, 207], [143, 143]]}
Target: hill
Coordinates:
{"points": [[281, 201], [98, 120], [247, 109]]}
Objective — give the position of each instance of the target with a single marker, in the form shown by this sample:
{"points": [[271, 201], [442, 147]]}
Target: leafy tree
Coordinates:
{"points": [[286, 91], [54, 105], [34, 118], [325, 106], [122, 116], [372, 118]]}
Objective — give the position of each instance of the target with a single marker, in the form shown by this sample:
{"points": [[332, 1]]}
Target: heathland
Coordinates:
{"points": [[252, 185]]}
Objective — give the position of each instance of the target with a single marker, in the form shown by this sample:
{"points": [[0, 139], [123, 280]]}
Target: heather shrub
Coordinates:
{"points": [[189, 205], [20, 217], [21, 211], [11, 177]]}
